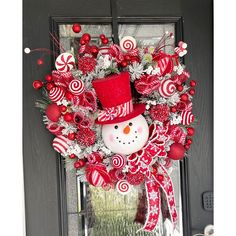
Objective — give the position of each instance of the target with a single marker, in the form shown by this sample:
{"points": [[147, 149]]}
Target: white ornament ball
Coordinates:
{"points": [[123, 187], [65, 62], [76, 87], [27, 50], [128, 43], [126, 137]]}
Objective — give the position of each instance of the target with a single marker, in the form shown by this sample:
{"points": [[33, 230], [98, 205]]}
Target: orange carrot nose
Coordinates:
{"points": [[126, 130]]}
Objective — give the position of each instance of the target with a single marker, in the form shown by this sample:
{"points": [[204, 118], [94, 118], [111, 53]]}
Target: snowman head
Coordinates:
{"points": [[126, 137], [124, 129]]}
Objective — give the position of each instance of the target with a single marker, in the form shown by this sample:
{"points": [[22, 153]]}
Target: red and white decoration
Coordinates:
{"points": [[65, 62], [128, 43], [56, 94], [115, 140], [76, 87]]}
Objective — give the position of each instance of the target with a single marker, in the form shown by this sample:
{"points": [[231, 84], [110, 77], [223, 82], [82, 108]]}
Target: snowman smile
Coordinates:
{"points": [[120, 141]]}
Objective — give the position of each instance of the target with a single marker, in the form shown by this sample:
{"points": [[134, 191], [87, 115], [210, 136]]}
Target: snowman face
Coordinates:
{"points": [[126, 137]]}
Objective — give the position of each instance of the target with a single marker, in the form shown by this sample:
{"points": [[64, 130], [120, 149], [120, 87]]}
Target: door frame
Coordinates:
{"points": [[54, 22]]}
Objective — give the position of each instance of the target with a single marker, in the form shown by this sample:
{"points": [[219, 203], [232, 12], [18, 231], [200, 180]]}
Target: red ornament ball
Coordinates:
{"points": [[48, 78], [49, 86], [71, 136], [184, 97], [189, 141], [76, 28], [37, 84], [173, 109], [127, 58], [191, 92], [69, 96], [63, 108], [176, 152], [159, 112], [40, 61], [186, 146], [94, 50], [86, 137], [105, 41], [53, 112], [82, 41], [86, 37], [190, 131], [68, 117], [193, 83], [102, 36], [124, 63], [79, 164], [180, 88], [72, 156]]}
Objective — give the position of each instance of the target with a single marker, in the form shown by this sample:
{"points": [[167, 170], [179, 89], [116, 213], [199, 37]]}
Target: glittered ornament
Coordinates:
{"points": [[86, 64], [184, 97], [76, 28], [71, 136], [105, 41], [176, 152], [37, 84], [86, 137], [159, 112], [53, 112], [191, 92], [49, 86], [135, 179]]}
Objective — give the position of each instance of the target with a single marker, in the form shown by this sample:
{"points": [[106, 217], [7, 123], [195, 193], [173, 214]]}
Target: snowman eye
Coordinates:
{"points": [[130, 123], [116, 126]]}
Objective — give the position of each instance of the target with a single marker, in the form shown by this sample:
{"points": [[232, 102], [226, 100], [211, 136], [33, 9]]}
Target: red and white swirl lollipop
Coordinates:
{"points": [[60, 144], [128, 43], [167, 88], [76, 87], [187, 117], [56, 94], [65, 62], [123, 187], [118, 161]]}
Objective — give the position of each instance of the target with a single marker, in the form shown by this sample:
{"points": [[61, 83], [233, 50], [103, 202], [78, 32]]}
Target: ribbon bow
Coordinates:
{"points": [[156, 176]]}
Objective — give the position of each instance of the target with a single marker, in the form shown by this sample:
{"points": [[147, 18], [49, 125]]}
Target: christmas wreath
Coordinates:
{"points": [[121, 114]]}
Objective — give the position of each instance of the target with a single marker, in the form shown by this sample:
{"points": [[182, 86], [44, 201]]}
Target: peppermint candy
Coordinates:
{"points": [[123, 187], [128, 43], [167, 88], [76, 87], [60, 144], [187, 117], [65, 62], [56, 94], [118, 161]]}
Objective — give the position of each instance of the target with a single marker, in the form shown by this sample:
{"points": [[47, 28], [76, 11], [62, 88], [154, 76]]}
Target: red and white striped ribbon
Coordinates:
{"points": [[114, 112]]}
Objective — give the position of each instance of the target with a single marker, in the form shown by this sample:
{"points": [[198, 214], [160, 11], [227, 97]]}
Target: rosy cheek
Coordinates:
{"points": [[111, 138], [140, 130]]}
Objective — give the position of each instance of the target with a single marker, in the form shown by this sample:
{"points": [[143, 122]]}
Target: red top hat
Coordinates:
{"points": [[114, 93]]}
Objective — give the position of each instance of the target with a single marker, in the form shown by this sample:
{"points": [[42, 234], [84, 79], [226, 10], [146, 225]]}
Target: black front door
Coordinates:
{"points": [[55, 201]]}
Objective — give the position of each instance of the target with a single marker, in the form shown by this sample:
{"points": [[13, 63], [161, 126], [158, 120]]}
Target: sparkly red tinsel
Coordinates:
{"points": [[159, 112]]}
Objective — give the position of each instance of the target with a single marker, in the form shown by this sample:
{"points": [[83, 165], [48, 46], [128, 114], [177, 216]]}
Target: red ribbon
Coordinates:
{"points": [[156, 176]]}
